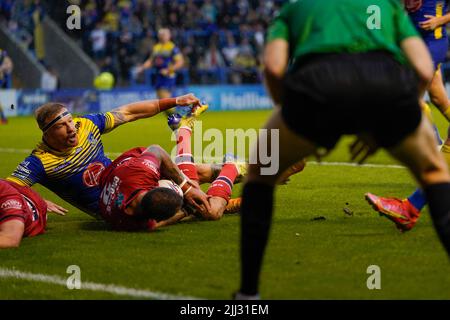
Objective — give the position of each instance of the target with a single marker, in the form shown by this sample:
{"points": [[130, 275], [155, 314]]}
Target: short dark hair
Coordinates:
{"points": [[46, 111], [160, 204]]}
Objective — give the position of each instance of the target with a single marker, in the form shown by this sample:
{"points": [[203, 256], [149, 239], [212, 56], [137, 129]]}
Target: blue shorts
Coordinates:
{"points": [[163, 82], [438, 50]]}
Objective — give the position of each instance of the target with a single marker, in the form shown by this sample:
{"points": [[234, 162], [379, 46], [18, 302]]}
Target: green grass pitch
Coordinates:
{"points": [[306, 258]]}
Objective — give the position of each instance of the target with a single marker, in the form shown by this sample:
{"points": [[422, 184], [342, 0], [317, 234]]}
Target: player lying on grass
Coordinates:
{"points": [[430, 18], [70, 158], [23, 213]]}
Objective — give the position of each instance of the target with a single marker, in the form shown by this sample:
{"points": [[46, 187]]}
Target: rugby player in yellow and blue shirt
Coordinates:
{"points": [[166, 58], [70, 158], [430, 18]]}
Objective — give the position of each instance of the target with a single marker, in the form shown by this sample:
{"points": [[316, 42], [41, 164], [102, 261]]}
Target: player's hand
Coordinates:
{"points": [[198, 199], [430, 24], [363, 147], [53, 207], [320, 153], [188, 99], [139, 69]]}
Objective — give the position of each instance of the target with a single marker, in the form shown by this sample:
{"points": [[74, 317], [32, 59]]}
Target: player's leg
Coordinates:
{"points": [[418, 152], [257, 201], [208, 172], [445, 149], [12, 216], [406, 212], [427, 112], [183, 132]]}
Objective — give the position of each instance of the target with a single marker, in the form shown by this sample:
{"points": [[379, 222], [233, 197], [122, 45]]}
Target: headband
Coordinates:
{"points": [[51, 123]]}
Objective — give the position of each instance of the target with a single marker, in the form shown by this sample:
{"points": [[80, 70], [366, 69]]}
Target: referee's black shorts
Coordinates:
{"points": [[329, 95]]}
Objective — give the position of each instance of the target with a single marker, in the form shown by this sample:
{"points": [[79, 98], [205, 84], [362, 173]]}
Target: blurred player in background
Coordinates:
{"points": [[167, 59], [23, 213], [430, 18], [320, 98]]}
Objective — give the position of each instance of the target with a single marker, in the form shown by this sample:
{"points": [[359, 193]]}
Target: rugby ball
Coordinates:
{"points": [[171, 185]]}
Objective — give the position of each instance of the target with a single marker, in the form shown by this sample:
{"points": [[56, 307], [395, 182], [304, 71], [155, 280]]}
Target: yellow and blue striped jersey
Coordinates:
{"points": [[164, 55], [418, 9], [73, 175]]}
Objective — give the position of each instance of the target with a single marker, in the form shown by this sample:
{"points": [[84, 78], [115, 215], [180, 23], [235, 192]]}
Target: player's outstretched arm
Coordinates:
{"points": [[11, 233], [148, 108]]}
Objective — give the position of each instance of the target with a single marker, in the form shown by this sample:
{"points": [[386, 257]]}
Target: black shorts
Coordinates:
{"points": [[329, 95]]}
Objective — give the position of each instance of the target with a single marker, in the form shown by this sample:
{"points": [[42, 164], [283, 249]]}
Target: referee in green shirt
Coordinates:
{"points": [[335, 67]]}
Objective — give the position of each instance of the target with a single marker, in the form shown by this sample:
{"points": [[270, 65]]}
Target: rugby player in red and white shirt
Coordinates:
{"points": [[23, 213], [131, 199]]}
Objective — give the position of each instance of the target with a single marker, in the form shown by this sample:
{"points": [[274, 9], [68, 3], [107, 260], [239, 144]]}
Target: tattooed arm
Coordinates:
{"points": [[148, 108]]}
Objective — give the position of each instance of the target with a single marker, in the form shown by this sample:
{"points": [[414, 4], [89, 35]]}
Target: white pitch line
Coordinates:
{"points": [[334, 164], [92, 286]]}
